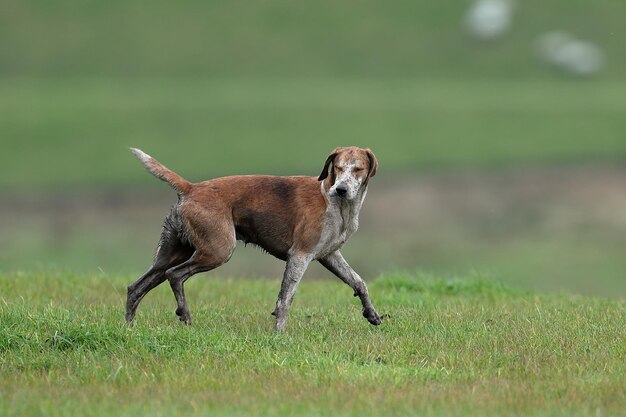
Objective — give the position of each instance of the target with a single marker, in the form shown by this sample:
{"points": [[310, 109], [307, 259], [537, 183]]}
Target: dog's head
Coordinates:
{"points": [[351, 170]]}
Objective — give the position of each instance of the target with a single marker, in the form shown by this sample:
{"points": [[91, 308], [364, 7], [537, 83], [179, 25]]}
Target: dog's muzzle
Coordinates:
{"points": [[341, 191]]}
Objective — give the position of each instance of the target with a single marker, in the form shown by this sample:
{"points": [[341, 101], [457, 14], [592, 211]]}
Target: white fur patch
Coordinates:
{"points": [[141, 154], [349, 180], [341, 220]]}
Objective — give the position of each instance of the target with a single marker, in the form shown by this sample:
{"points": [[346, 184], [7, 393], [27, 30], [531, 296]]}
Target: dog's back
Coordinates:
{"points": [[268, 211]]}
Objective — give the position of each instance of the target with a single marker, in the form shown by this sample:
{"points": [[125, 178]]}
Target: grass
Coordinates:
{"points": [[277, 38], [227, 83], [61, 133], [451, 347], [213, 88], [71, 135]]}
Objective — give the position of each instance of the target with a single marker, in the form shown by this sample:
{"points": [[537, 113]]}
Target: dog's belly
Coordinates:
{"points": [[265, 231]]}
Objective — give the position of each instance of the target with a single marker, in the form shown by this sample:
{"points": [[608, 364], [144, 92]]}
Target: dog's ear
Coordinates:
{"points": [[373, 162], [329, 160]]}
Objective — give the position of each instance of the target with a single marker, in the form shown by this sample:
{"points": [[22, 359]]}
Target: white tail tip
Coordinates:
{"points": [[140, 154]]}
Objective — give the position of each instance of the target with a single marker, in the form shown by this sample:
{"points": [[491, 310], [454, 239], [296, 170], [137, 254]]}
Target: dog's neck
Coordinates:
{"points": [[350, 210]]}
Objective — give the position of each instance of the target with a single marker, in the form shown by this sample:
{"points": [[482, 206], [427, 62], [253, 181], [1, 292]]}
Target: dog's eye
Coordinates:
{"points": [[358, 169], [339, 169]]}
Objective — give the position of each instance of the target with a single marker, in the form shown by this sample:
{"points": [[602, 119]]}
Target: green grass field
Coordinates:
{"points": [[75, 132], [451, 347], [71, 136], [270, 86], [277, 38]]}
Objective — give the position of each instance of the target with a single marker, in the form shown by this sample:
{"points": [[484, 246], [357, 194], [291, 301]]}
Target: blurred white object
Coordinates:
{"points": [[550, 44], [489, 19], [569, 54]]}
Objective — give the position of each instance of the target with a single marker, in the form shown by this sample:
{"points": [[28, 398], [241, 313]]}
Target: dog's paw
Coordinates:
{"points": [[130, 318], [183, 316], [280, 326], [373, 317]]}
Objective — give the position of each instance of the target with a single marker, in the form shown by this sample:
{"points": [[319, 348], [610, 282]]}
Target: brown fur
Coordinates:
{"points": [[275, 213]]}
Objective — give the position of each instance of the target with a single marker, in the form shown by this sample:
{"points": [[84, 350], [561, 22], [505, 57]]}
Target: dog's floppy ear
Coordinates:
{"points": [[373, 162], [373, 166], [329, 160]]}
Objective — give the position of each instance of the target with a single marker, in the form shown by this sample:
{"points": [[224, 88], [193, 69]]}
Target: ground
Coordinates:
{"points": [[450, 347]]}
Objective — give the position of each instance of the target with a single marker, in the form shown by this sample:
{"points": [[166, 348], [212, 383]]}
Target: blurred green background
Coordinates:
{"points": [[490, 159]]}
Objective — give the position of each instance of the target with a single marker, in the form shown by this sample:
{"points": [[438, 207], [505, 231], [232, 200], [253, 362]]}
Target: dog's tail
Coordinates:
{"points": [[181, 185]]}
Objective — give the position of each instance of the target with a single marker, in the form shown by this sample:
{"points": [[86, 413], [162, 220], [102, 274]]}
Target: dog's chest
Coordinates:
{"points": [[339, 224]]}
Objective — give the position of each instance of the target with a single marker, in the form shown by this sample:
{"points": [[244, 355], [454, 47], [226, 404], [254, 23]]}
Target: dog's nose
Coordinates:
{"points": [[341, 190]]}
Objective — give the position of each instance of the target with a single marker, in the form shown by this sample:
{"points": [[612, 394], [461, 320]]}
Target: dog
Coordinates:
{"points": [[297, 219]]}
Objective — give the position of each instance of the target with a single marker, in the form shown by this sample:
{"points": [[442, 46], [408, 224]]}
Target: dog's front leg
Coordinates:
{"points": [[336, 264], [296, 265]]}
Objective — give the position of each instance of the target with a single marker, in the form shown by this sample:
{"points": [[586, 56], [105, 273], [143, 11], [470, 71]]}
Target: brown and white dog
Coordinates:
{"points": [[297, 219]]}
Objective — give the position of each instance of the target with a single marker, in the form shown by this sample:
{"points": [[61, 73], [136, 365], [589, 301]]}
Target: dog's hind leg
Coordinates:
{"points": [[210, 255], [171, 252], [138, 289], [179, 274]]}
